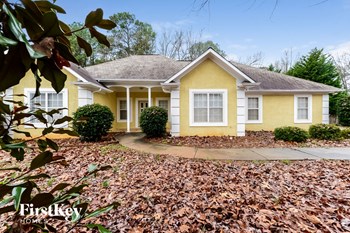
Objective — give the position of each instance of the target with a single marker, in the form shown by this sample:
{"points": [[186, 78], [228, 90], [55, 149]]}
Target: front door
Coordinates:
{"points": [[141, 107]]}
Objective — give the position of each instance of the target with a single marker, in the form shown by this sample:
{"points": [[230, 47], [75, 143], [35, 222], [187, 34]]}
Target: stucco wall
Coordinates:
{"points": [[29, 82], [278, 110], [208, 75]]}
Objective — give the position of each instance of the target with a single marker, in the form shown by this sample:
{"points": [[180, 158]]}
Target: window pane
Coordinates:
{"points": [[122, 104], [215, 101], [200, 101], [303, 102], [200, 115], [55, 100], [35, 104], [302, 114], [253, 114], [253, 102], [163, 104], [123, 115], [216, 115]]}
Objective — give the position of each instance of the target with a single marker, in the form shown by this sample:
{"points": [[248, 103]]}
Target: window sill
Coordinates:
{"points": [[253, 122]]}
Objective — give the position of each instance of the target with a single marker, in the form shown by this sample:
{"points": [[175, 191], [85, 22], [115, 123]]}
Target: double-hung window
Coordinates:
{"points": [[47, 101], [303, 109], [163, 103], [208, 107], [254, 109], [122, 110]]}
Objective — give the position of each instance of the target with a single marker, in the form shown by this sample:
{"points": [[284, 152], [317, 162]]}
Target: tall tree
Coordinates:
{"points": [[200, 47], [131, 36], [319, 67], [99, 52]]}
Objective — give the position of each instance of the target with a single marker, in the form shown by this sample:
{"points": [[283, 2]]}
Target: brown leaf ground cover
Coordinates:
{"points": [[253, 139], [159, 193]]}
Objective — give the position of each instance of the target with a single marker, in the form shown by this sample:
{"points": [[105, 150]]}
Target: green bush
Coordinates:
{"points": [[291, 134], [344, 111], [153, 121], [92, 122], [325, 132], [345, 133]]}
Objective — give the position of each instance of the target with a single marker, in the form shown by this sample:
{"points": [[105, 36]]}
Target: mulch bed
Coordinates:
{"points": [[253, 139], [168, 194]]}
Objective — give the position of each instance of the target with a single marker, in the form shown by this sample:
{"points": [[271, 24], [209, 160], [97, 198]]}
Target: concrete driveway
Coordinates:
{"points": [[134, 141]]}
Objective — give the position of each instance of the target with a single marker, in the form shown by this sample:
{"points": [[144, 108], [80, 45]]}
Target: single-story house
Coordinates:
{"points": [[207, 96]]}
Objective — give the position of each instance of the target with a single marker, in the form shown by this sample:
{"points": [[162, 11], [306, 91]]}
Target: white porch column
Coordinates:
{"points": [[127, 109], [149, 96]]}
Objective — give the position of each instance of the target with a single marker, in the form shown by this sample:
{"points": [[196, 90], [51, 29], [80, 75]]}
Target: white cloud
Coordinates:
{"points": [[232, 57], [339, 49]]}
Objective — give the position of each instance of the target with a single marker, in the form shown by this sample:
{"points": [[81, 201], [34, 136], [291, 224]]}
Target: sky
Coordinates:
{"points": [[240, 27]]}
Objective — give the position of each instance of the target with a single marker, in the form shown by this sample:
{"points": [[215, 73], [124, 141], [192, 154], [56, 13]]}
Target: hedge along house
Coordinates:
{"points": [[208, 96]]}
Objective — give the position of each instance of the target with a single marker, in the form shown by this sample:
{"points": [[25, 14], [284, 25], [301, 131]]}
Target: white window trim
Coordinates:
{"points": [[40, 125], [118, 109], [208, 91], [309, 112], [260, 116], [137, 100]]}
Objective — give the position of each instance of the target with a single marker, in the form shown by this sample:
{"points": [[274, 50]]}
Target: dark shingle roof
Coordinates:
{"points": [[148, 67], [276, 81]]}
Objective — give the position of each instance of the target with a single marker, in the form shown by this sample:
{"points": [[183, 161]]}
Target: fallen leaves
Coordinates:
{"points": [[170, 194], [253, 139]]}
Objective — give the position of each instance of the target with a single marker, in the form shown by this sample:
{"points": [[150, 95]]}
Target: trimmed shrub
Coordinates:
{"points": [[92, 122], [153, 121], [345, 133], [325, 132], [344, 111], [291, 134]]}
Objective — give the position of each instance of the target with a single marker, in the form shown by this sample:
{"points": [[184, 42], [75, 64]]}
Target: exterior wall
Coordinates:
{"points": [[29, 82], [111, 99], [208, 75], [278, 110]]}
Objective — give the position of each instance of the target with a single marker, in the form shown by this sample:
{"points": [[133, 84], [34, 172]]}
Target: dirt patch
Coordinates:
{"points": [[253, 139]]}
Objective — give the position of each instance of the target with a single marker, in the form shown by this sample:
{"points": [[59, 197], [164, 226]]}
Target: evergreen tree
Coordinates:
{"points": [[319, 67]]}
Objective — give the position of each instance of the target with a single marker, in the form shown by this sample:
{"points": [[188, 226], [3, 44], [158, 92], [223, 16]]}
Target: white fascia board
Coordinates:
{"points": [[289, 91]]}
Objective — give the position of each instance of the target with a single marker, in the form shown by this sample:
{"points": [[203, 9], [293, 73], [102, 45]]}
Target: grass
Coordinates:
{"points": [[286, 161], [112, 147]]}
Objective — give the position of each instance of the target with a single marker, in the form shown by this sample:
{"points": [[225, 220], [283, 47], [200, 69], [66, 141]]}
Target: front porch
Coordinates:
{"points": [[130, 101]]}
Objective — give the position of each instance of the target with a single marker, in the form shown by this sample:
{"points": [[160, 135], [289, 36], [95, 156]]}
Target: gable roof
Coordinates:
{"points": [[137, 67], [84, 76], [215, 57], [273, 81]]}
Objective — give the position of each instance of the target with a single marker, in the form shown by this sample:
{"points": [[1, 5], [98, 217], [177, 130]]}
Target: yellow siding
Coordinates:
{"points": [[208, 75], [29, 82], [278, 110], [110, 100]]}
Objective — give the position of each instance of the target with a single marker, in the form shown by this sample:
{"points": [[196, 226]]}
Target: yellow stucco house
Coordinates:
{"points": [[207, 96]]}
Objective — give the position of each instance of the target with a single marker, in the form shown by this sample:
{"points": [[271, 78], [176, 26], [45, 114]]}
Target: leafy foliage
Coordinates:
{"points": [[291, 134], [199, 48], [344, 110], [22, 188], [318, 67], [92, 121], [131, 36], [153, 121], [33, 38], [345, 133], [325, 132]]}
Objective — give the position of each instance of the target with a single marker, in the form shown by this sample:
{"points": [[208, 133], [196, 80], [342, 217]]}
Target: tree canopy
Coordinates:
{"points": [[200, 47], [318, 67], [131, 36]]}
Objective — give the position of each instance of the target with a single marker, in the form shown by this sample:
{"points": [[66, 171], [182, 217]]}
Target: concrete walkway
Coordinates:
{"points": [[134, 141]]}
